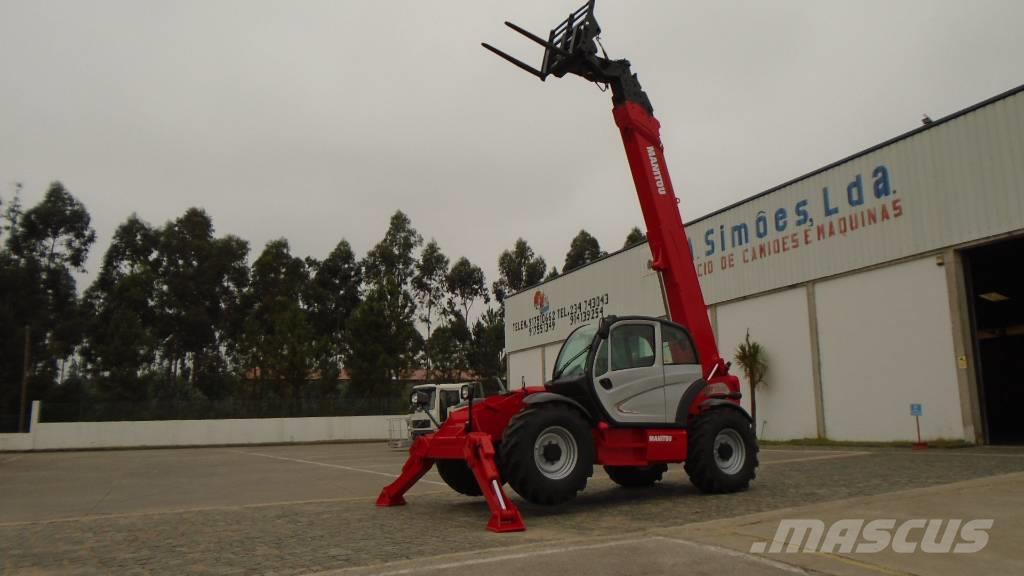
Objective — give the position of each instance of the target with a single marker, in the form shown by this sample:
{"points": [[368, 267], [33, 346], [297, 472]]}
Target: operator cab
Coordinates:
{"points": [[630, 370]]}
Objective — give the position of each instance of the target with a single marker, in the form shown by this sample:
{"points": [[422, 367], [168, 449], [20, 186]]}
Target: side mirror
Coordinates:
{"points": [[605, 325], [466, 392]]}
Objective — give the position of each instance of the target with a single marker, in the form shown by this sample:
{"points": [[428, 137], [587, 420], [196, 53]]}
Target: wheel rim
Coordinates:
{"points": [[730, 451], [555, 452]]}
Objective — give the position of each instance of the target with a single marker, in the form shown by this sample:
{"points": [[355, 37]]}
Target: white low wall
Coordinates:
{"points": [[74, 435], [15, 442]]}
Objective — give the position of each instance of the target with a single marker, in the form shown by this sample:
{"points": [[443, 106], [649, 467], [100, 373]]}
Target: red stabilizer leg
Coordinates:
{"points": [[479, 454], [415, 467]]}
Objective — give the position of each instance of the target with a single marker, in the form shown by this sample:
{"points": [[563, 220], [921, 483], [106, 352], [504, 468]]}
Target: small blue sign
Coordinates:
{"points": [[916, 410]]}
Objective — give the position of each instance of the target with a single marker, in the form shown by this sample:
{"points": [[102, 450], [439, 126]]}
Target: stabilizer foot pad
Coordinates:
{"points": [[386, 499], [507, 524], [479, 454]]}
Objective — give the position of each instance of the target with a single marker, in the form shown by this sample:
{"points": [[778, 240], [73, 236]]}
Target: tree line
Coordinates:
{"points": [[176, 312]]}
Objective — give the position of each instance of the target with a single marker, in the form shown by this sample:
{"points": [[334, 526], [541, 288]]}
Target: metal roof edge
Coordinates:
{"points": [[866, 151]]}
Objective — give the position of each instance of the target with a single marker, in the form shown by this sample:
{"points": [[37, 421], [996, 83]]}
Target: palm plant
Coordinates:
{"points": [[751, 358]]}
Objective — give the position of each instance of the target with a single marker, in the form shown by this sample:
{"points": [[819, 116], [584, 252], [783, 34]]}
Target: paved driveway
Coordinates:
{"points": [[309, 508]]}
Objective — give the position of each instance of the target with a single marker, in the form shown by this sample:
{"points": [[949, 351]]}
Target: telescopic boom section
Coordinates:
{"points": [[666, 237], [572, 48]]}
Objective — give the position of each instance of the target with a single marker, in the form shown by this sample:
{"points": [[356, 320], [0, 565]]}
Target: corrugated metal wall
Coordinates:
{"points": [[886, 342], [956, 182]]}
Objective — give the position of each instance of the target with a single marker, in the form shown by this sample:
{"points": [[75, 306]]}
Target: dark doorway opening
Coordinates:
{"points": [[995, 292]]}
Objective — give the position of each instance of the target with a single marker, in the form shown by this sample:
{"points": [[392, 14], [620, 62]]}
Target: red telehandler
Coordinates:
{"points": [[631, 393]]}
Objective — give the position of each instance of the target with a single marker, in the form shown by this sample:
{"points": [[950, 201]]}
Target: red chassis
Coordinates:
{"points": [[614, 447]]}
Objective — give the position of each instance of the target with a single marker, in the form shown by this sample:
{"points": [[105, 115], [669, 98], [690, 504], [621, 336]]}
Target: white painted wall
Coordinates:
{"points": [[525, 368], [15, 442], [779, 321], [620, 283], [77, 435], [886, 341]]}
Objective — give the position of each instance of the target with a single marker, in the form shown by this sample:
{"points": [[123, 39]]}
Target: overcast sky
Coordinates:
{"points": [[316, 120]]}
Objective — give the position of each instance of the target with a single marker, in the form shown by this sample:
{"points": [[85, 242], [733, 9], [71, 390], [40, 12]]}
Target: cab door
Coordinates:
{"points": [[629, 378], [682, 369]]}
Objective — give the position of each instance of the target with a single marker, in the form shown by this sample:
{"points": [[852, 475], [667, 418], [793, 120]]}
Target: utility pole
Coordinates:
{"points": [[26, 369]]}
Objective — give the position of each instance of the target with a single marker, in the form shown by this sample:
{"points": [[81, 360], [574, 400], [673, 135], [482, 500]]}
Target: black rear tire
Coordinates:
{"points": [[459, 477], [636, 476], [547, 453], [722, 452]]}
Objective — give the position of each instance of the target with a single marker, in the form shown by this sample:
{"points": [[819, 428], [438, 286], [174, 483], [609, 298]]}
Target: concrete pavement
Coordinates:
{"points": [[723, 546], [308, 509], [1000, 498]]}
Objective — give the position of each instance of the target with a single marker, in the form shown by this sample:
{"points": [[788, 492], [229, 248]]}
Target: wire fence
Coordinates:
{"points": [[95, 411]]}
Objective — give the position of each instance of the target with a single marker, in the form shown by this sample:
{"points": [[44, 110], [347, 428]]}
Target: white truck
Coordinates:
{"points": [[430, 406], [442, 398]]}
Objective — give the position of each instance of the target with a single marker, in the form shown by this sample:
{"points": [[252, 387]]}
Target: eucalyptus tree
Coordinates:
{"points": [[121, 338], [518, 268], [393, 259], [384, 342], [278, 341], [45, 245], [583, 250], [57, 232], [202, 279], [635, 236], [334, 293], [466, 285], [485, 356], [429, 286]]}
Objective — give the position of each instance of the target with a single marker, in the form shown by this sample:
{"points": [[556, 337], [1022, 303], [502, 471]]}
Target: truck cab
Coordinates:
{"points": [[440, 399]]}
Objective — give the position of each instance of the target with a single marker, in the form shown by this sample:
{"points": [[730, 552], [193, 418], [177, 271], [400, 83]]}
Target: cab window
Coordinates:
{"points": [[572, 359], [632, 346], [676, 347], [449, 398]]}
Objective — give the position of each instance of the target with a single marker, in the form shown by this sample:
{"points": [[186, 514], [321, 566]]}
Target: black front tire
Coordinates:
{"points": [[459, 477], [722, 452], [536, 429], [636, 476]]}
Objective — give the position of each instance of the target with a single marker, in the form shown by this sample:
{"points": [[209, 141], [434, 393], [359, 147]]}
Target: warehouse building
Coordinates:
{"points": [[885, 283]]}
